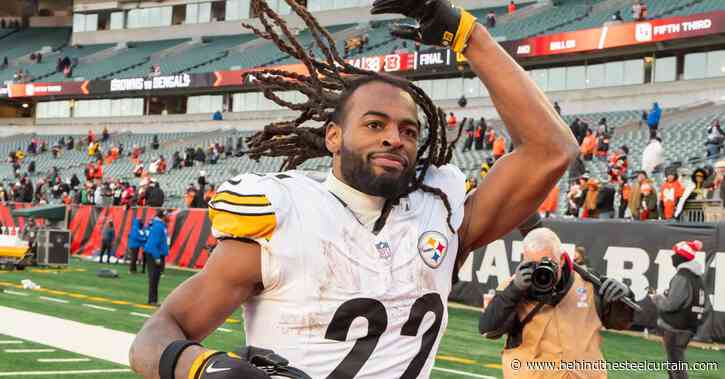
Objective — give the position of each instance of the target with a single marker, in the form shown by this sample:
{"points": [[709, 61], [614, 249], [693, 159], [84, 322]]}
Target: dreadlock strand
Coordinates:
{"points": [[295, 49], [444, 199], [313, 24], [452, 145]]}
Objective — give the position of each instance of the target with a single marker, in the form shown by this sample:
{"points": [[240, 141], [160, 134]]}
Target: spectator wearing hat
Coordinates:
{"points": [[136, 240], [696, 189], [670, 193], [699, 190], [680, 309], [648, 202], [157, 248]]}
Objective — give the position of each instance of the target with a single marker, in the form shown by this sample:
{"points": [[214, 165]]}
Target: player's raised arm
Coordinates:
{"points": [[519, 181]]}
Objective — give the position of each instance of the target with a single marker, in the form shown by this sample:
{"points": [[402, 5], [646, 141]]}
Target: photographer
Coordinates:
{"points": [[550, 314], [680, 308]]}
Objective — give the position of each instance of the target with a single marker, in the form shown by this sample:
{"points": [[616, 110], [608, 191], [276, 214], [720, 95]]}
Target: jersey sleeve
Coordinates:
{"points": [[453, 183], [249, 206]]}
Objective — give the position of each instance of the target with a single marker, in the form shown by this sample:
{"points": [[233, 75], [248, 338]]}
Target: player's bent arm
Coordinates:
{"points": [[198, 306], [520, 181]]}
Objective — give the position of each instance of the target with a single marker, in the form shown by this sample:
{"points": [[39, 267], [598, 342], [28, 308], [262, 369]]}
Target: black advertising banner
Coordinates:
{"points": [[637, 253], [433, 59]]}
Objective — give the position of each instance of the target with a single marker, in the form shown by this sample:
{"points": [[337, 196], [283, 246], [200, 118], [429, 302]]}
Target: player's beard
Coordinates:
{"points": [[357, 171]]}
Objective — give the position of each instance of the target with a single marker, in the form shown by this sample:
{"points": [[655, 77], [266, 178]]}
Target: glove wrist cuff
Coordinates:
{"points": [[197, 367], [465, 28]]}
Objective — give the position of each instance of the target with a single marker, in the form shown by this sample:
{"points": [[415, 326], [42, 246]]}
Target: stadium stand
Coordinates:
{"points": [[656, 9], [682, 131], [17, 45]]}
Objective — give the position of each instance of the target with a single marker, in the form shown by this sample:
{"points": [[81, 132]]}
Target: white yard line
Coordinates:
{"points": [[16, 293], [54, 299], [59, 360], [70, 372], [463, 373], [99, 307], [15, 351], [225, 330], [144, 315], [66, 335]]}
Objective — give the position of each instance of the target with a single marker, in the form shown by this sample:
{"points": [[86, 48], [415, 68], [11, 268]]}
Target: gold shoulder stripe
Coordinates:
{"points": [[233, 198], [250, 226]]}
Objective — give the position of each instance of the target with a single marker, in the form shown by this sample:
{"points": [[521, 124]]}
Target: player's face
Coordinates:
{"points": [[379, 140]]}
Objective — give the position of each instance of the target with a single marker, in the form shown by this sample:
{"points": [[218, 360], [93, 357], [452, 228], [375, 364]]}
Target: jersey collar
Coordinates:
{"points": [[358, 202]]}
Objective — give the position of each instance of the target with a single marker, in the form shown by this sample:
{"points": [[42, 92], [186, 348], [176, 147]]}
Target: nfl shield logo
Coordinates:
{"points": [[384, 250], [432, 247], [581, 294]]}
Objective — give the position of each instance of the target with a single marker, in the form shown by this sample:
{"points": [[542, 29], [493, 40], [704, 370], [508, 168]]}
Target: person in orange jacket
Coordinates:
{"points": [[551, 203], [670, 193], [452, 121], [499, 147], [588, 145]]}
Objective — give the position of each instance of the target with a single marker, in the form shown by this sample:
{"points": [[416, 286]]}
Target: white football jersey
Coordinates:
{"points": [[339, 301]]}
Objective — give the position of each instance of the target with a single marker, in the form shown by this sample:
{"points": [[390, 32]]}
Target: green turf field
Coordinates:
{"points": [[462, 349]]}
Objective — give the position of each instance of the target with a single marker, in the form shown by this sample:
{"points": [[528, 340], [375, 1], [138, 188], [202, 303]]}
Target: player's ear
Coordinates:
{"points": [[333, 137]]}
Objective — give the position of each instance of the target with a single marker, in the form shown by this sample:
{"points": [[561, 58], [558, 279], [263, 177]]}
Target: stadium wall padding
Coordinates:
{"points": [[636, 252], [188, 229]]}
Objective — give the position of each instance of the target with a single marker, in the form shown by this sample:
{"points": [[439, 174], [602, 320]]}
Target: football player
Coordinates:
{"points": [[349, 278]]}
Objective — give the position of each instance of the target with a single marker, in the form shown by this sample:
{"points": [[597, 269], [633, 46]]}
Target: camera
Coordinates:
{"points": [[544, 277]]}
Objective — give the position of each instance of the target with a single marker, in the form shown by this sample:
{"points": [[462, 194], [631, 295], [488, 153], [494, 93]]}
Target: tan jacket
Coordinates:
{"points": [[567, 332]]}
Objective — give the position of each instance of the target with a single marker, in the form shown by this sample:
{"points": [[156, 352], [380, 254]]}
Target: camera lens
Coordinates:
{"points": [[543, 278]]}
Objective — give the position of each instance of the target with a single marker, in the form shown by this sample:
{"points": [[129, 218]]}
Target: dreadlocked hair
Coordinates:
{"points": [[328, 87]]}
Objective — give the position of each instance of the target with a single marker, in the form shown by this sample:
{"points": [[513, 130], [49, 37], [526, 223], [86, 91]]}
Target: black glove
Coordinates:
{"points": [[612, 290], [522, 277], [439, 22], [248, 363]]}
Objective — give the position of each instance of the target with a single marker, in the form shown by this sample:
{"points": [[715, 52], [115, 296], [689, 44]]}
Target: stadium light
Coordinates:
{"points": [[25, 105]]}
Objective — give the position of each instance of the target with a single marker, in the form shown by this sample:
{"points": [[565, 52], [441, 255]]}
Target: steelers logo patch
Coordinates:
{"points": [[432, 247]]}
